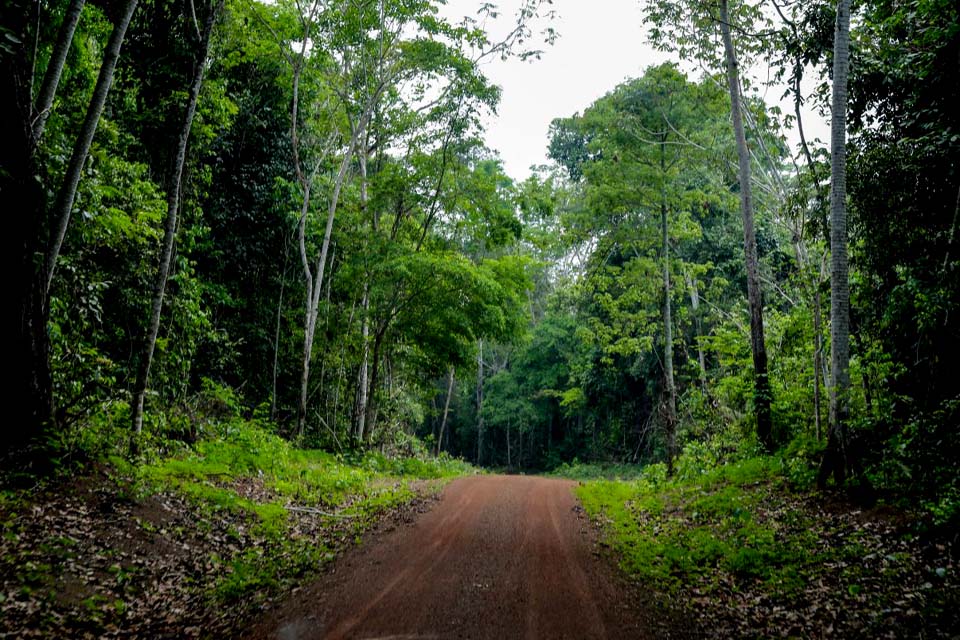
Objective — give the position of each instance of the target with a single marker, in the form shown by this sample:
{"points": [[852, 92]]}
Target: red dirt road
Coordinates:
{"points": [[498, 557]]}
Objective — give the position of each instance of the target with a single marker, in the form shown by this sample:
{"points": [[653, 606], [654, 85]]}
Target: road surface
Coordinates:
{"points": [[498, 557]]}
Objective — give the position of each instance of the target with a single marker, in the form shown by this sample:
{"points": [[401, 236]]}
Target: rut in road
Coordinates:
{"points": [[498, 557]]}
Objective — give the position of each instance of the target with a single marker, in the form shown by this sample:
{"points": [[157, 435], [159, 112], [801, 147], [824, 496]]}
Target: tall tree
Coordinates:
{"points": [[762, 394], [836, 458], [479, 395], [174, 197], [446, 412], [63, 206], [646, 165], [51, 77], [37, 238]]}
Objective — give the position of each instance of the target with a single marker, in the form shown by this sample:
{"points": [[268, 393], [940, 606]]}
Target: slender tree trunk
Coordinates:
{"points": [[276, 336], [446, 411], [315, 279], [479, 400], [60, 216], [836, 459], [670, 403], [314, 282], [363, 390], [276, 356], [307, 312], [51, 78], [698, 327], [174, 191], [375, 358], [762, 394], [817, 361]]}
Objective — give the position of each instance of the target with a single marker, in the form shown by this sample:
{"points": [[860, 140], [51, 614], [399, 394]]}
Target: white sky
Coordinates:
{"points": [[601, 43]]}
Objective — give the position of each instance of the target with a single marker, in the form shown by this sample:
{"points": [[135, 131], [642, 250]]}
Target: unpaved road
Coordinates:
{"points": [[498, 557]]}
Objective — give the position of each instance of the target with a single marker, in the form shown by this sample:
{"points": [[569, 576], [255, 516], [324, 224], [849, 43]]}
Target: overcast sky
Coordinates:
{"points": [[601, 44]]}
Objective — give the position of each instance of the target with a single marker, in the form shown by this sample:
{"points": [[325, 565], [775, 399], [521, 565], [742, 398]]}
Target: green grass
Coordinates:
{"points": [[305, 477], [252, 474], [746, 537], [710, 530], [597, 471]]}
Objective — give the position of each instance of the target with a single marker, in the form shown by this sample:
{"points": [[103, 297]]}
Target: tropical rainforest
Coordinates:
{"points": [[261, 256]]}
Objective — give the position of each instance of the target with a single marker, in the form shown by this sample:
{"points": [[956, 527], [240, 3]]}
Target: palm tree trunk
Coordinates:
{"points": [[836, 458]]}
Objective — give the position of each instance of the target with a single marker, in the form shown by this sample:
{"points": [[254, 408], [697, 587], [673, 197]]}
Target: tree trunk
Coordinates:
{"points": [[479, 400], [670, 403], [817, 361], [276, 336], [762, 395], [698, 327], [363, 389], [60, 216], [314, 280], [446, 411], [509, 461], [371, 409], [174, 191], [28, 392], [307, 313], [51, 77], [836, 459]]}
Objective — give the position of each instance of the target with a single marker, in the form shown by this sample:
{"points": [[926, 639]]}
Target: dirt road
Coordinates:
{"points": [[498, 557]]}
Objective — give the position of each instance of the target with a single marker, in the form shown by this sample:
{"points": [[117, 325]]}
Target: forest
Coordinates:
{"points": [[257, 239]]}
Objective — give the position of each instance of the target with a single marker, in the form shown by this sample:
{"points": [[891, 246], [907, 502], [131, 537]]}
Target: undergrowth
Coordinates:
{"points": [[577, 470], [241, 516], [250, 472], [750, 550]]}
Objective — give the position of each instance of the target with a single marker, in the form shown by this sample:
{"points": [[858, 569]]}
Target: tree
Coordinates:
{"points": [[174, 190], [63, 206], [41, 231], [762, 395], [51, 77], [645, 149]]}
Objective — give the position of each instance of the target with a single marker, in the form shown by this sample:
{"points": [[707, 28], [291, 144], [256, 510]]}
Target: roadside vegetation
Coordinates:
{"points": [[197, 541], [748, 548]]}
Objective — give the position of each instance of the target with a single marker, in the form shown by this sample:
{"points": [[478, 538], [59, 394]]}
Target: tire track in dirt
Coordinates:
{"points": [[498, 557]]}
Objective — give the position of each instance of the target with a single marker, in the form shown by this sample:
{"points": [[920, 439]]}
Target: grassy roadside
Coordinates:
{"points": [[196, 544], [743, 553]]}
